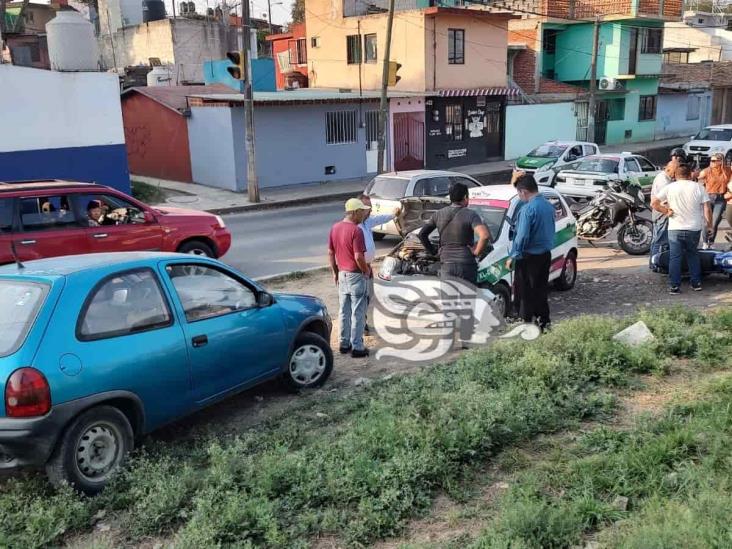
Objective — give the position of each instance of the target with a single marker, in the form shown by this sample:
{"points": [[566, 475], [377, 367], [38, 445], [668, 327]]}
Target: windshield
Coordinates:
{"points": [[19, 305], [388, 188], [601, 165], [550, 151], [714, 134], [493, 217]]}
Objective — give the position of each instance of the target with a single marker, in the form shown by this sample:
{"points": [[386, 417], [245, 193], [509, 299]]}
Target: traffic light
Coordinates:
{"points": [[393, 68], [237, 71]]}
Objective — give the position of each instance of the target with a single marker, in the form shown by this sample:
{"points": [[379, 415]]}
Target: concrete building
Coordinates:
{"points": [[700, 36], [290, 54], [156, 129], [702, 79], [182, 43], [558, 52], [61, 126], [25, 32], [116, 14]]}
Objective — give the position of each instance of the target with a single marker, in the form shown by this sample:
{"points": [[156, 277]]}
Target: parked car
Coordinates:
{"points": [[99, 349], [496, 204], [710, 140], [386, 190], [593, 173], [546, 160], [42, 219]]}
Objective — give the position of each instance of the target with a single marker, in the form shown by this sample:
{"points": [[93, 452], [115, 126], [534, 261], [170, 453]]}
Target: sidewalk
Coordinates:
{"points": [[220, 201]]}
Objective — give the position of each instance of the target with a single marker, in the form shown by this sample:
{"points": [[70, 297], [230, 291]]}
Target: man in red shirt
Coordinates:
{"points": [[347, 255]]}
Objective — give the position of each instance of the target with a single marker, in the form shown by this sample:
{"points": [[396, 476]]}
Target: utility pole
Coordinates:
{"points": [[246, 41], [384, 106], [593, 81], [269, 15]]}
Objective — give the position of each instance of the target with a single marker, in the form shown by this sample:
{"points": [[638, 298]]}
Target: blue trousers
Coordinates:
{"points": [[353, 292], [684, 244], [660, 236]]}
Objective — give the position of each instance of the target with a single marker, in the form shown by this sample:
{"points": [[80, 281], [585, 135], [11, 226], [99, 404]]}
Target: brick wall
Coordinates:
{"points": [[524, 62], [585, 9]]}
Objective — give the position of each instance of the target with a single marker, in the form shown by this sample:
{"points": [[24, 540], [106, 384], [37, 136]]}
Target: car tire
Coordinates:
{"points": [[568, 277], [503, 298], [92, 448], [310, 363], [197, 247], [379, 236]]}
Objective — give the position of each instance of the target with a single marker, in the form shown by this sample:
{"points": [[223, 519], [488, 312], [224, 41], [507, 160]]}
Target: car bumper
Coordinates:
{"points": [[222, 238], [387, 228]]}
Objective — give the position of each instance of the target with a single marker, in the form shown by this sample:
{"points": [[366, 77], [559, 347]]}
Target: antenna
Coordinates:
{"points": [[15, 255]]}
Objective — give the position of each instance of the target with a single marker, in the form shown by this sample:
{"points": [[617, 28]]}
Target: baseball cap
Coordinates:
{"points": [[353, 204]]}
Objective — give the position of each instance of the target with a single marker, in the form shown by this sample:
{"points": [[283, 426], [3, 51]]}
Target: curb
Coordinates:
{"points": [[281, 276], [284, 203]]}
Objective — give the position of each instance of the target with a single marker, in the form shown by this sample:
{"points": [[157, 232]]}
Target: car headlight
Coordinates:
{"points": [[718, 149], [220, 221]]}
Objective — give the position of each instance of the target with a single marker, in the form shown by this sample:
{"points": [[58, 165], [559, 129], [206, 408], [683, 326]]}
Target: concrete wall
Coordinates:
{"points": [[263, 74], [709, 44], [182, 43], [290, 143], [641, 131], [672, 121], [61, 125], [528, 126]]}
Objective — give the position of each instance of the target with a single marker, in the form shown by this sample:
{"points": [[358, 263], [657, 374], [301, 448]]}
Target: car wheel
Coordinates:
{"points": [[310, 362], [91, 450], [503, 299], [569, 273], [379, 236], [197, 247]]}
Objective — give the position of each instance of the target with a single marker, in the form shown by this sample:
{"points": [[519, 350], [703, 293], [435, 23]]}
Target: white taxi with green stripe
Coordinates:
{"points": [[498, 206]]}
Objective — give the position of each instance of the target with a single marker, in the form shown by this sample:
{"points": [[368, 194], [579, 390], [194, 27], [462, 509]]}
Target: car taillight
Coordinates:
{"points": [[27, 394]]}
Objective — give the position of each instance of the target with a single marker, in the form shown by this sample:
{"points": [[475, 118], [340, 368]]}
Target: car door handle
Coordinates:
{"points": [[199, 341], [27, 242], [100, 235]]}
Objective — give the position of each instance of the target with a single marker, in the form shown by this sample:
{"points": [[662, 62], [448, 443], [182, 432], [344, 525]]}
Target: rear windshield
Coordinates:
{"points": [[19, 306], [711, 134], [493, 217], [548, 151], [388, 188], [601, 165]]}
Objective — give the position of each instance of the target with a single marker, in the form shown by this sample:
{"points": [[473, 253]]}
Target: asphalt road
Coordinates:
{"points": [[272, 242]]}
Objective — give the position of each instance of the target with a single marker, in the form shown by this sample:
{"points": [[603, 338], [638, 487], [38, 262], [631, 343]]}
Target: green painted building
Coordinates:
{"points": [[628, 71]]}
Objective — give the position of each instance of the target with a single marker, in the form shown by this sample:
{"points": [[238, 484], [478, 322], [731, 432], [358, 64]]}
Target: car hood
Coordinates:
{"points": [[181, 212], [587, 175], [534, 162], [416, 211], [703, 143]]}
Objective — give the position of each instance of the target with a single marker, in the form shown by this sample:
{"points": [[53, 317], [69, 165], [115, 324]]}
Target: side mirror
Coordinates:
{"points": [[264, 299], [149, 217]]}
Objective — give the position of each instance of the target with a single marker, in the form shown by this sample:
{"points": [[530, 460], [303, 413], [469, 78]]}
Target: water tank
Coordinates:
{"points": [[160, 76], [152, 10], [71, 43]]}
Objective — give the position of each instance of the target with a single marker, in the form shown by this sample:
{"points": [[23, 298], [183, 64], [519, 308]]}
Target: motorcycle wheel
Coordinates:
{"points": [[636, 240]]}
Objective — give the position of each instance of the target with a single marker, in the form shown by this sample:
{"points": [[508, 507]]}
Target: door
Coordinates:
{"points": [[633, 171], [408, 141], [602, 113], [648, 173], [563, 233], [583, 109], [231, 340], [7, 220], [120, 225], [48, 228], [633, 51], [494, 130]]}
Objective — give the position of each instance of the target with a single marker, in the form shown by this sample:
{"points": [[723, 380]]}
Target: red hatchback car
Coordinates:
{"points": [[52, 218]]}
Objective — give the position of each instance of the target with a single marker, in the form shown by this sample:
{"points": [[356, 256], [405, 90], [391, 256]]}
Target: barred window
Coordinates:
{"points": [[454, 122], [372, 128], [456, 46], [340, 127], [652, 41], [353, 49], [647, 109]]}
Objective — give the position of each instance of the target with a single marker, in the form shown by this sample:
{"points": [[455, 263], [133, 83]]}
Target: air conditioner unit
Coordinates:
{"points": [[610, 84]]}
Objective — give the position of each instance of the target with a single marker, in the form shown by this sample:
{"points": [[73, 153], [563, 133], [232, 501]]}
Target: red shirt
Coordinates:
{"points": [[345, 240]]}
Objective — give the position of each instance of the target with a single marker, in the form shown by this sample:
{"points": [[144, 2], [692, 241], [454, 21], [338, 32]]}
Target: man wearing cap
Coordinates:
{"points": [[347, 256]]}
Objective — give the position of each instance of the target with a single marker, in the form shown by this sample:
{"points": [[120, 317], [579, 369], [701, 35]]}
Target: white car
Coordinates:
{"points": [[497, 205], [712, 139], [386, 190], [546, 160]]}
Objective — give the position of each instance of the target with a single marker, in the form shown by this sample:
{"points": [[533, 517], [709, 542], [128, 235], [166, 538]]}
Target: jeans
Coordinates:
{"points": [[684, 244], [719, 204], [660, 237], [532, 277], [353, 289], [466, 271]]}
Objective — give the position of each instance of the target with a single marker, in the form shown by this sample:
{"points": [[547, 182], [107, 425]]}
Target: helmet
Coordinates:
{"points": [[681, 153]]}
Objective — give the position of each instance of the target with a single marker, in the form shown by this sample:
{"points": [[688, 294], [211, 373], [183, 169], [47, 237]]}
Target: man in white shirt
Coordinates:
{"points": [[660, 221], [686, 204], [367, 227]]}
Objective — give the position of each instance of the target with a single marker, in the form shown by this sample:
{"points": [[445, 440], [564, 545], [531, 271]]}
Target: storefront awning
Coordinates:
{"points": [[477, 91]]}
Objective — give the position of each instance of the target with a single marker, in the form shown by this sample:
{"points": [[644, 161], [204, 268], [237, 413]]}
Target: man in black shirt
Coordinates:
{"points": [[457, 226]]}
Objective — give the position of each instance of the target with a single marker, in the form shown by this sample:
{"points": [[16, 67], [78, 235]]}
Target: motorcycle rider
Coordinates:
{"points": [[660, 221], [715, 179]]}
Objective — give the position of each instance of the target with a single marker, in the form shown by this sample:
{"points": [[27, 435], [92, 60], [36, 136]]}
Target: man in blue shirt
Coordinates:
{"points": [[531, 255]]}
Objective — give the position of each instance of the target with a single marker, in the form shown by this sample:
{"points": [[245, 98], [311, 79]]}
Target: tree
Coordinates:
{"points": [[298, 11]]}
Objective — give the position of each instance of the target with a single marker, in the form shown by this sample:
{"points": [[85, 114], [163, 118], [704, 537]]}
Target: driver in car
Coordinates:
{"points": [[99, 214]]}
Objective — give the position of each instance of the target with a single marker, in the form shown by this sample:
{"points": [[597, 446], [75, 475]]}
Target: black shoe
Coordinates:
{"points": [[696, 287], [674, 290], [344, 350], [356, 353]]}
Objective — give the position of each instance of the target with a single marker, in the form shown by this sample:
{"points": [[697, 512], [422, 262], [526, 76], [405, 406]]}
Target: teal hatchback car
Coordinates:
{"points": [[97, 350]]}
